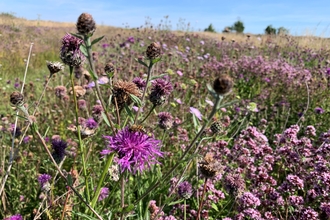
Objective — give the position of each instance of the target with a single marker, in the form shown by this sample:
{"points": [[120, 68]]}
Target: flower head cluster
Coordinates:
{"points": [[15, 217], [70, 52], [43, 179], [159, 90], [135, 150], [104, 193], [165, 120], [248, 200], [139, 82], [59, 147], [185, 190]]}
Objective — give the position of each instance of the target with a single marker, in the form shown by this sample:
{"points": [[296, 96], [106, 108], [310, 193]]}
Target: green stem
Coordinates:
{"points": [[165, 176], [97, 87], [153, 107], [185, 209], [81, 146], [145, 90], [100, 183]]}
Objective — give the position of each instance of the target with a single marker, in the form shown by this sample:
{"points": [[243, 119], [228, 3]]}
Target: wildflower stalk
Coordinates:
{"points": [[81, 145], [184, 209], [88, 44], [153, 107], [192, 144], [144, 90], [201, 201], [100, 183]]}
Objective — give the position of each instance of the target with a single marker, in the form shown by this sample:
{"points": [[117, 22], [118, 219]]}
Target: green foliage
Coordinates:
{"points": [[282, 31], [210, 29], [238, 26], [270, 30]]}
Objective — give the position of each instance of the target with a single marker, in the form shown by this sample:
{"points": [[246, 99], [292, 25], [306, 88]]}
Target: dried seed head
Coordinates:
{"points": [[216, 127], [85, 24], [153, 51], [16, 98], [209, 167], [54, 67], [223, 38], [121, 92], [223, 84]]}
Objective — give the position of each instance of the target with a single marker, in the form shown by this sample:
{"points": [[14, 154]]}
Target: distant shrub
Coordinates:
{"points": [[270, 30], [210, 28]]}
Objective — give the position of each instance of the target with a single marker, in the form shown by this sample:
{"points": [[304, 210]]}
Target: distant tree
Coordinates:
{"points": [[238, 26], [210, 29], [270, 30], [282, 31]]}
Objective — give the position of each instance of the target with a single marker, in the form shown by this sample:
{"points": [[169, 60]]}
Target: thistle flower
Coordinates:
{"points": [[109, 68], [135, 150], [86, 24], [185, 190], [140, 83], [159, 90], [91, 123], [54, 67], [223, 84], [70, 52], [122, 91], [59, 147], [16, 98], [165, 120], [60, 91], [15, 217], [153, 51]]}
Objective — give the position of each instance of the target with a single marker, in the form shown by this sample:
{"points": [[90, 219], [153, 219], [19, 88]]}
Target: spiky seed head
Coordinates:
{"points": [[209, 167], [153, 51], [216, 127], [223, 84], [86, 24], [54, 67], [16, 98], [121, 92]]}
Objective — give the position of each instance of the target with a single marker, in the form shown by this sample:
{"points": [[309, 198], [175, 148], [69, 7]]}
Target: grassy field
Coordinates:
{"points": [[79, 148]]}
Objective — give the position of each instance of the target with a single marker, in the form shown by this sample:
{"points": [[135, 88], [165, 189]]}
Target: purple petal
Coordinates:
{"points": [[196, 112]]}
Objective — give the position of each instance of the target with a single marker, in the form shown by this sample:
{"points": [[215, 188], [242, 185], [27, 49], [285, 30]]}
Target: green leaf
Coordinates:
{"points": [[96, 40], [105, 118], [83, 50], [128, 111], [156, 60], [215, 207], [141, 62], [77, 36], [84, 216], [175, 202], [136, 100], [69, 180], [128, 208]]}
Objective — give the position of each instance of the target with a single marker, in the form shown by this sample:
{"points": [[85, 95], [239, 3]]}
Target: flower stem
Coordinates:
{"points": [[145, 90], [81, 145], [100, 183], [153, 107], [201, 201]]}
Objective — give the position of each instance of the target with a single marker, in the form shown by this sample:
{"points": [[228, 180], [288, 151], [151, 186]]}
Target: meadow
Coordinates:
{"points": [[99, 122]]}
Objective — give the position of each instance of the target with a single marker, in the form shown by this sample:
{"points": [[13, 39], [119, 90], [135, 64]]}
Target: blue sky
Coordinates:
{"points": [[300, 17]]}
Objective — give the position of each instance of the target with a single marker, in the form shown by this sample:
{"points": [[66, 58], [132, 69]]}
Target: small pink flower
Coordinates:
{"points": [[196, 112], [179, 73], [209, 102]]}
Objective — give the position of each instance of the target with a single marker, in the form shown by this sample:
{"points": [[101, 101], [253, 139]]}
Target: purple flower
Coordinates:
{"points": [[325, 207], [43, 179], [26, 139], [179, 73], [104, 193], [185, 190], [318, 110], [105, 46], [91, 123], [295, 181], [130, 40], [58, 146], [70, 52], [15, 217], [139, 82], [308, 214], [165, 120], [135, 150], [196, 112], [248, 200], [161, 87]]}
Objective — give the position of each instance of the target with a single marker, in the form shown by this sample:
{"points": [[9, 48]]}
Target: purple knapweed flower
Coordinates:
{"points": [[185, 190], [136, 150], [14, 217], [319, 110], [91, 123], [139, 82], [43, 179], [131, 40], [103, 194], [70, 51], [160, 88], [196, 112], [59, 147], [26, 139]]}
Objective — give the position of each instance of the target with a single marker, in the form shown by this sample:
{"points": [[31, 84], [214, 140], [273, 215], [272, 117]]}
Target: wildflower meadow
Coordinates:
{"points": [[149, 123]]}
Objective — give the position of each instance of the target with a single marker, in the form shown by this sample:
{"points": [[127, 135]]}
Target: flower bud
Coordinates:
{"points": [[16, 98], [223, 84], [153, 51], [85, 24]]}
